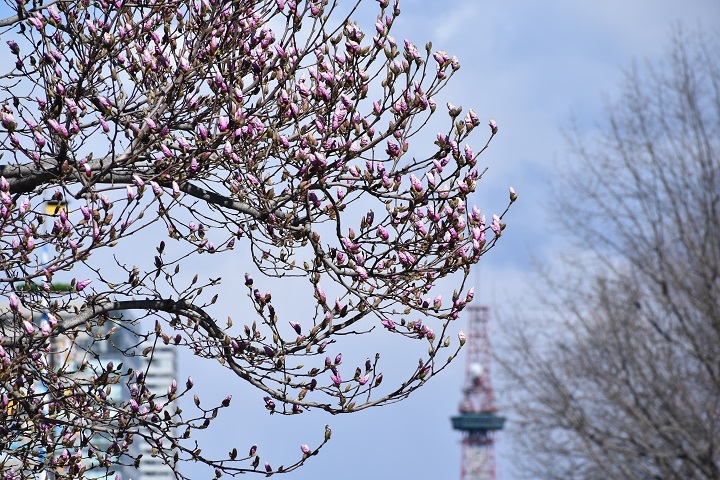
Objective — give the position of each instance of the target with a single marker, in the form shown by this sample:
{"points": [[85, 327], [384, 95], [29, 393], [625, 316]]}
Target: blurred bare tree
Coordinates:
{"points": [[625, 382]]}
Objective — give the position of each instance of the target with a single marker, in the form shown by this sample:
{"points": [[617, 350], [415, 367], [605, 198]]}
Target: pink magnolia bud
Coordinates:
{"points": [[203, 132], [430, 179], [349, 244], [513, 194], [39, 139], [383, 233], [441, 57], [166, 151], [461, 337], [493, 126], [389, 324], [156, 188], [305, 449], [361, 272], [138, 181], [495, 225], [416, 183], [14, 48], [453, 110], [370, 217], [468, 152], [104, 102], [24, 206], [376, 108], [470, 295], [14, 302], [340, 258], [151, 124], [29, 327], [184, 64], [80, 286], [183, 144], [319, 294]]}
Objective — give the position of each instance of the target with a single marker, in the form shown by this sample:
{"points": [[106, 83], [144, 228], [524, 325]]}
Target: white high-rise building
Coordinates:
{"points": [[161, 368], [69, 354]]}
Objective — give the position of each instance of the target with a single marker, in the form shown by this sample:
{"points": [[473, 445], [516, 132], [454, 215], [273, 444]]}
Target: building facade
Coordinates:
{"points": [[81, 357], [160, 369]]}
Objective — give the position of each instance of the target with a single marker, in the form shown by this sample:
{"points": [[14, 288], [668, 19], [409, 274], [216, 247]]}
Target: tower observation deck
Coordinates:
{"points": [[477, 418]]}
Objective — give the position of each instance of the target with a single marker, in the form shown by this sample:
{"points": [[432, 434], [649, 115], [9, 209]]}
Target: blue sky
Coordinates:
{"points": [[534, 67]]}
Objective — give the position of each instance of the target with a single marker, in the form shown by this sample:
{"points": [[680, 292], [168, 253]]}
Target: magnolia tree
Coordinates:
{"points": [[280, 128]]}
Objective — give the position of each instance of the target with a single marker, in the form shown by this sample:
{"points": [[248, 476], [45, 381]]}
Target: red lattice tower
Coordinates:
{"points": [[477, 419]]}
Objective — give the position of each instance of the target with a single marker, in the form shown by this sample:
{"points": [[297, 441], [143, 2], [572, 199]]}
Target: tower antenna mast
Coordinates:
{"points": [[477, 418]]}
